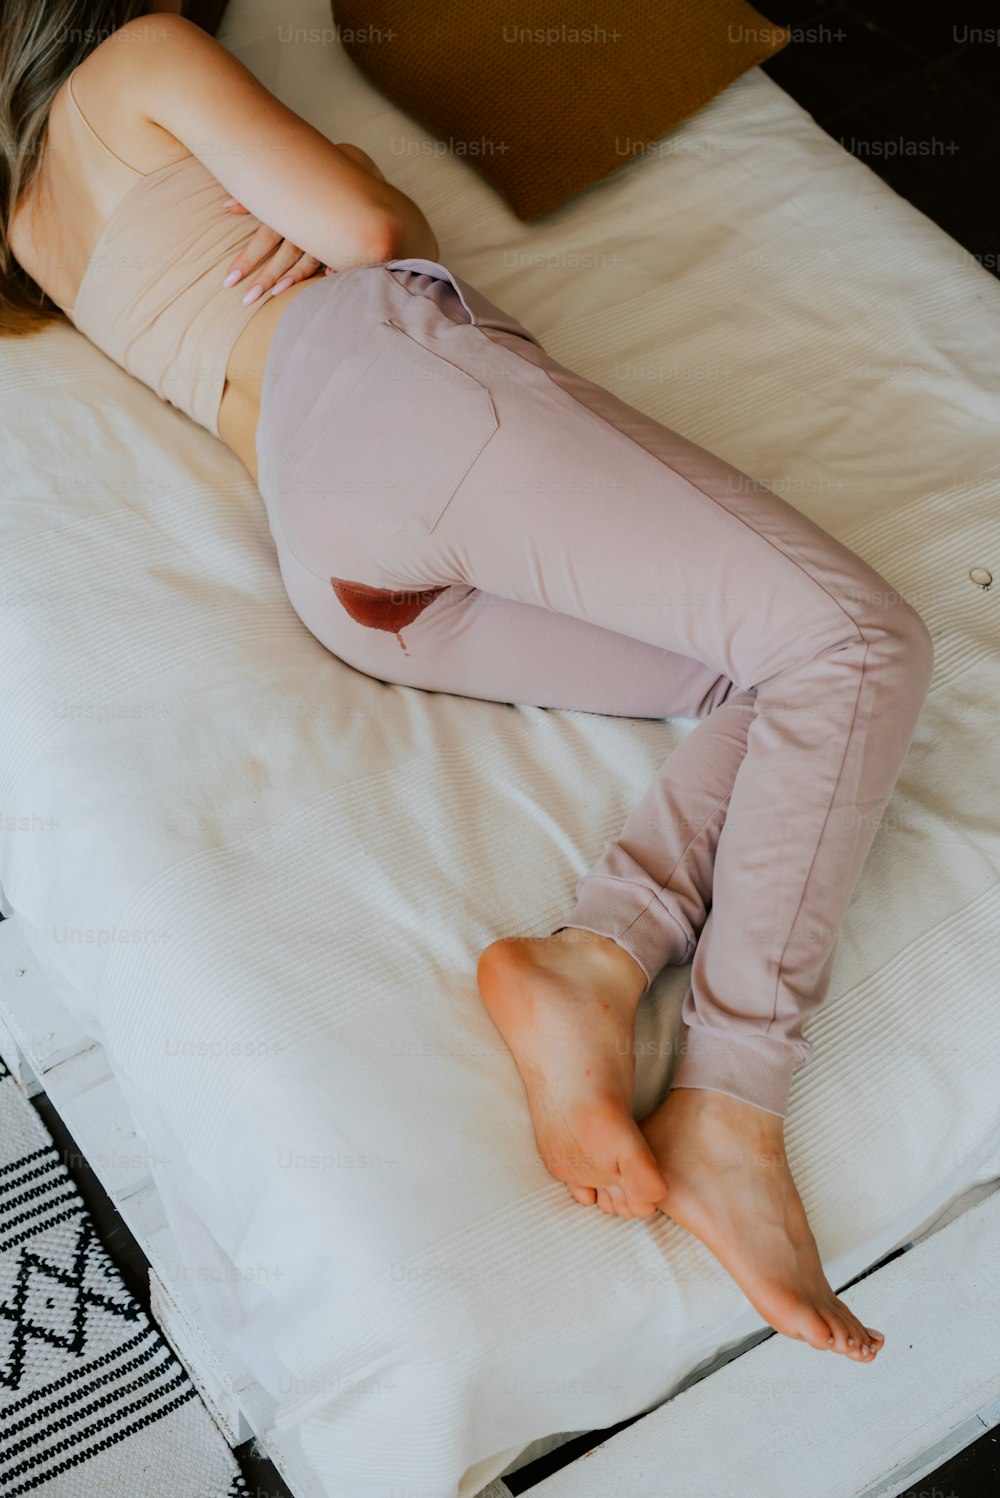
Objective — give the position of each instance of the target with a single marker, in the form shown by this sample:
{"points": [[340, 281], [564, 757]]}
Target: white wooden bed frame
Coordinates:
{"points": [[795, 1422]]}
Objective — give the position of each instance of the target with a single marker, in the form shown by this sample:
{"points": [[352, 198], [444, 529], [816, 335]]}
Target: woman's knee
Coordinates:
{"points": [[886, 622], [902, 636]]}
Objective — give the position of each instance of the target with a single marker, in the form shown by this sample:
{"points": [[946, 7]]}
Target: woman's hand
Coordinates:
{"points": [[276, 262]]}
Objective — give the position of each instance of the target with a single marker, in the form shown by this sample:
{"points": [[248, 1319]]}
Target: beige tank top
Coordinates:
{"points": [[151, 296]]}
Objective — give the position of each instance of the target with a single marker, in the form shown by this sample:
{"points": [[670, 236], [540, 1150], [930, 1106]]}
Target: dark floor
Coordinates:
{"points": [[914, 92], [915, 95]]}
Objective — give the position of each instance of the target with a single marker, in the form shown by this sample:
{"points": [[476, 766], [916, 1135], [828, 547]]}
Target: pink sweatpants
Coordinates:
{"points": [[454, 510]]}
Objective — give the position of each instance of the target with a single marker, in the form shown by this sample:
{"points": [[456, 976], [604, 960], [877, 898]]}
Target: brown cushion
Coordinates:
{"points": [[542, 119], [204, 13]]}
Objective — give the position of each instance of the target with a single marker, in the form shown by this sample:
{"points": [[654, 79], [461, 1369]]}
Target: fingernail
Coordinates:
{"points": [[232, 278], [850, 1341], [281, 285], [252, 295]]}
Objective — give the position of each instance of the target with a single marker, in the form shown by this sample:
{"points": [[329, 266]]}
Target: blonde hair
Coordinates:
{"points": [[41, 42]]}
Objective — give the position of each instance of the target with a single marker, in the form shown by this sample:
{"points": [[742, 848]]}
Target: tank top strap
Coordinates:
{"points": [[89, 127]]}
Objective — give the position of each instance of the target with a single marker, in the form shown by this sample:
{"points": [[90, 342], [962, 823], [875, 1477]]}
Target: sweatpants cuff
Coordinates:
{"points": [[633, 917], [753, 1068]]}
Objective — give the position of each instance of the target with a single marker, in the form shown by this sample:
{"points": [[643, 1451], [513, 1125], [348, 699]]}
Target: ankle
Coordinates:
{"points": [[733, 1110], [607, 955]]}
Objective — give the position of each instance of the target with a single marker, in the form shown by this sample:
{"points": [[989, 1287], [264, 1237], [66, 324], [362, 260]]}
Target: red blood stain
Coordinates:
{"points": [[383, 608]]}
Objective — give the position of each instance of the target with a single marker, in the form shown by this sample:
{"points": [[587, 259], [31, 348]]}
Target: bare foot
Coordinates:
{"points": [[729, 1184], [565, 1004]]}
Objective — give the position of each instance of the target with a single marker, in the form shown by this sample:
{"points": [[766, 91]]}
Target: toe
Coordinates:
{"points": [[856, 1343], [641, 1176], [641, 1208], [585, 1195], [850, 1337], [845, 1335], [604, 1201], [814, 1329], [619, 1201], [859, 1344]]}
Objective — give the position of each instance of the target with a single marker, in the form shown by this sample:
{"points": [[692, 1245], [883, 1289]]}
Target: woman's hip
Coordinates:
{"points": [[333, 332], [376, 403], [414, 436]]}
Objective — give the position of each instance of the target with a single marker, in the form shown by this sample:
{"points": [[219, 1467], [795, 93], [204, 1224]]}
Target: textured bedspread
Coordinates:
{"points": [[263, 879]]}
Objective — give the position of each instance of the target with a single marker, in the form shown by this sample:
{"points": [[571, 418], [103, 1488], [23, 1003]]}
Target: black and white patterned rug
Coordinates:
{"points": [[93, 1401]]}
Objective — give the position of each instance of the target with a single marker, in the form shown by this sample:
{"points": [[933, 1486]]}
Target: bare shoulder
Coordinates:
{"points": [[117, 86], [182, 79], [139, 61], [163, 42], [136, 51], [159, 84], [172, 75]]}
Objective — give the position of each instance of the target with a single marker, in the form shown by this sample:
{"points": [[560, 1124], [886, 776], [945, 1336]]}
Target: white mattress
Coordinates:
{"points": [[263, 879]]}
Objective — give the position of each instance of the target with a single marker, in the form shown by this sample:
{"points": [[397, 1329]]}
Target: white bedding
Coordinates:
{"points": [[263, 879]]}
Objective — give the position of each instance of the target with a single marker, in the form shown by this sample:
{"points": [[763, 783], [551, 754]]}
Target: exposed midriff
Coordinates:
{"points": [[239, 409]]}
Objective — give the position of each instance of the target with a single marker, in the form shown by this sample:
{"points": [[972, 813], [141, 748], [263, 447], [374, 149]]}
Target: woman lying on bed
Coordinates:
{"points": [[455, 511]]}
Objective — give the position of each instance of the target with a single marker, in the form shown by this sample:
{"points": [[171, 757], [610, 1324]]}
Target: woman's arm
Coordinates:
{"points": [[361, 157], [286, 173], [276, 263]]}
